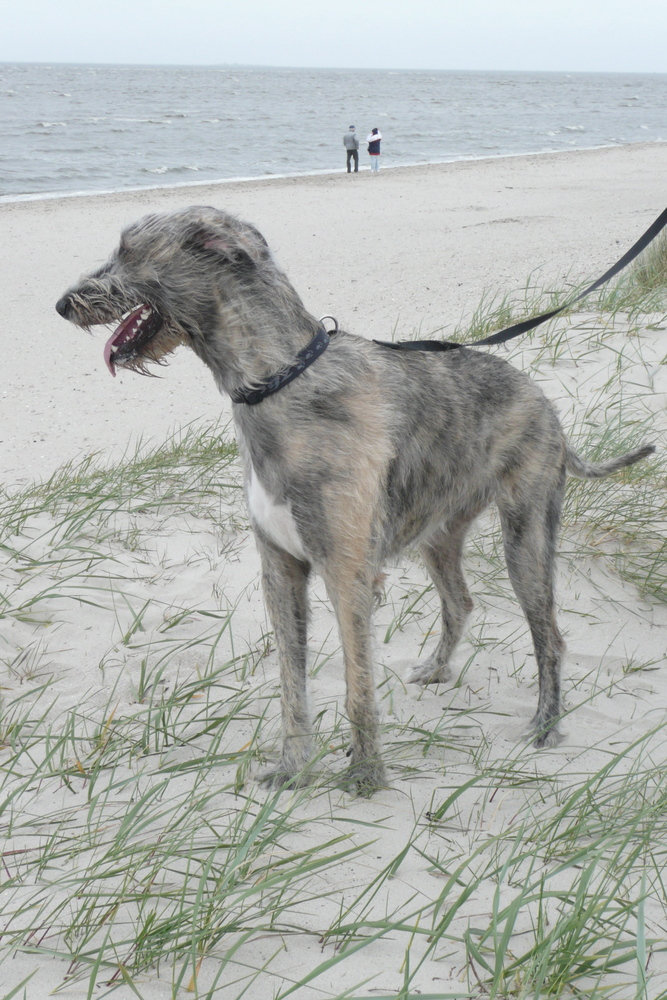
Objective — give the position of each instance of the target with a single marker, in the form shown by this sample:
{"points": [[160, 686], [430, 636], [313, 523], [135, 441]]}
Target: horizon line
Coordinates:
{"points": [[350, 69]]}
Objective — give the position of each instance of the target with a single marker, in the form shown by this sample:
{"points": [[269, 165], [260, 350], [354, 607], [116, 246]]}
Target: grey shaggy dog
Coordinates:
{"points": [[368, 451]]}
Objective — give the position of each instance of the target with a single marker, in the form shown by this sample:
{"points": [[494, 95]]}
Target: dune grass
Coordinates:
{"points": [[635, 299], [140, 858]]}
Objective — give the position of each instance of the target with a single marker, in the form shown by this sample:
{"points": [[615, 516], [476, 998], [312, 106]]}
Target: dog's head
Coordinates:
{"points": [[166, 284]]}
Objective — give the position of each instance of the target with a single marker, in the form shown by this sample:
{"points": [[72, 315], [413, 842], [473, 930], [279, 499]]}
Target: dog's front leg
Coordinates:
{"points": [[352, 597], [285, 581]]}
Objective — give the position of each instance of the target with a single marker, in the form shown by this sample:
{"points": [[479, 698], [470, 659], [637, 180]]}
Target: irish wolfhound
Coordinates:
{"points": [[367, 451]]}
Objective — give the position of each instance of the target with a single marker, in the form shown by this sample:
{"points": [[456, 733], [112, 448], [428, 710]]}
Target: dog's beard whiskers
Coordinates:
{"points": [[138, 365], [148, 356]]}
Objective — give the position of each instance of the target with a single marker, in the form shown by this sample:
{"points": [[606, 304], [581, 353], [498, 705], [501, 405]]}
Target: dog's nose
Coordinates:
{"points": [[62, 305]]}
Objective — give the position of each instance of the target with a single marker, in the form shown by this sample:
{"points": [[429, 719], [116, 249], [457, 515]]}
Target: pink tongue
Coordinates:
{"points": [[119, 336]]}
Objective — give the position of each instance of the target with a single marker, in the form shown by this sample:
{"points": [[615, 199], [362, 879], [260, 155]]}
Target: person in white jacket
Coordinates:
{"points": [[373, 141]]}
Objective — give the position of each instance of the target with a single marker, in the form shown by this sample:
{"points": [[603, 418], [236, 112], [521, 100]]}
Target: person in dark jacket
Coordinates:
{"points": [[373, 141], [351, 144]]}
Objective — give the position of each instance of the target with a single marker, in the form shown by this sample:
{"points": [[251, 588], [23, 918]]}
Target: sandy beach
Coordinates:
{"points": [[143, 622]]}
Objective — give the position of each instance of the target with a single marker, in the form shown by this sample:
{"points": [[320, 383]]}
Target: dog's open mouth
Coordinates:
{"points": [[131, 337]]}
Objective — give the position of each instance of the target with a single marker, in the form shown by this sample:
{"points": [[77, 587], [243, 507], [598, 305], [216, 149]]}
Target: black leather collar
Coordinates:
{"points": [[304, 359]]}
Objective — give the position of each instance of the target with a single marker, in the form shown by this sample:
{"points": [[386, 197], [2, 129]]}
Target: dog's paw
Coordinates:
{"points": [[429, 672], [366, 778], [542, 740], [547, 741], [279, 779]]}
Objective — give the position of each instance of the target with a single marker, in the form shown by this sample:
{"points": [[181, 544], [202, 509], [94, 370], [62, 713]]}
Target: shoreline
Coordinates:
{"points": [[8, 199]]}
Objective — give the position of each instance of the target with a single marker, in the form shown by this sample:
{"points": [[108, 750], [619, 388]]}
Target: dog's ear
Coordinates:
{"points": [[202, 237], [217, 243], [242, 250]]}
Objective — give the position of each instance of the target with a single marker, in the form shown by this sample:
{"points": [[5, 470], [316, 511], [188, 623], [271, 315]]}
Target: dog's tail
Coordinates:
{"points": [[582, 469]]}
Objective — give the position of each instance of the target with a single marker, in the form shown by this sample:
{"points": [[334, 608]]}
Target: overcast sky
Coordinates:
{"points": [[571, 35]]}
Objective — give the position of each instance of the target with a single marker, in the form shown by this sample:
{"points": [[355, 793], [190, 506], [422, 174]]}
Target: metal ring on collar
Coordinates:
{"points": [[335, 322]]}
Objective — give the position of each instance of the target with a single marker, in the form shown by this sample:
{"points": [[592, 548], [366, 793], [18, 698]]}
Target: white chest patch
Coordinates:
{"points": [[275, 519]]}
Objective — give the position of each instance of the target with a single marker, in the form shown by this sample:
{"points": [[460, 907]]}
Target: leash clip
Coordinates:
{"points": [[335, 322]]}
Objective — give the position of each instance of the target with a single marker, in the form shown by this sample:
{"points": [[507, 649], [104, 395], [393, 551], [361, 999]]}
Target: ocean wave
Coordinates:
{"points": [[565, 128], [170, 170], [145, 121]]}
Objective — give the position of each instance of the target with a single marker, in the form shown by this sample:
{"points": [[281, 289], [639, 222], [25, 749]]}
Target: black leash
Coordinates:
{"points": [[529, 324], [320, 341]]}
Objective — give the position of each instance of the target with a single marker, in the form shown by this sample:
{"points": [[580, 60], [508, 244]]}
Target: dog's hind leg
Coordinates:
{"points": [[442, 556], [351, 593], [285, 581], [530, 524]]}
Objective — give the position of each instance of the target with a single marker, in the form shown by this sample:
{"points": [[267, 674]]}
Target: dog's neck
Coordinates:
{"points": [[253, 345]]}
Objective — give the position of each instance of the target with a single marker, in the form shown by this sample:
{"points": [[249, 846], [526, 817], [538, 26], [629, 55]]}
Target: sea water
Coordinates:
{"points": [[67, 128]]}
